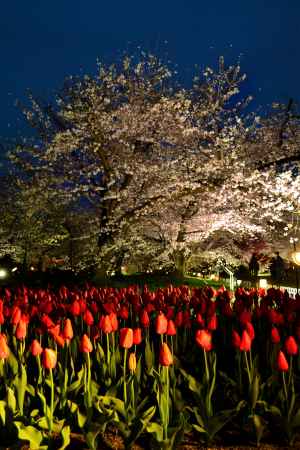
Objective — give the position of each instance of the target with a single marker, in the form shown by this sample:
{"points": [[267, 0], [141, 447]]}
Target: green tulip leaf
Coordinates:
{"points": [[3, 405], [11, 400], [31, 434], [157, 430], [81, 419], [66, 437]]}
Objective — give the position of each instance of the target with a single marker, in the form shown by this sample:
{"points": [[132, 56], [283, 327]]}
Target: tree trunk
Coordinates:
{"points": [[180, 263]]}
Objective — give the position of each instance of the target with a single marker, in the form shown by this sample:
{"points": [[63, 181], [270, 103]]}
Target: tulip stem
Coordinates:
{"points": [[284, 387], [247, 366], [206, 366], [290, 370], [88, 380], [108, 352], [51, 401], [124, 375]]}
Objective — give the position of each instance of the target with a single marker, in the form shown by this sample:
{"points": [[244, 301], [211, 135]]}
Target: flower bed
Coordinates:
{"points": [[155, 368]]}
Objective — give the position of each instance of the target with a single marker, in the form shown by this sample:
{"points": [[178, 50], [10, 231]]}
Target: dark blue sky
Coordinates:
{"points": [[43, 41]]}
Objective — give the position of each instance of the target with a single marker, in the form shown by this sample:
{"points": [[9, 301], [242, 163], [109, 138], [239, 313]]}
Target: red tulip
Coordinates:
{"points": [[212, 322], [105, 324], [250, 330], [114, 321], [88, 317], [245, 344], [291, 346], [179, 319], [144, 319], [49, 358], [15, 315], [47, 321], [75, 308], [126, 337], [124, 313], [236, 339], [171, 330], [275, 336], [85, 344], [4, 349], [36, 348], [21, 330], [199, 319], [137, 336], [161, 324], [165, 355], [203, 339], [282, 363]]}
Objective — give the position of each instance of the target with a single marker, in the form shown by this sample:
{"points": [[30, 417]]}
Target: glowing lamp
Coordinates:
{"points": [[238, 282], [263, 283], [296, 258], [3, 273]]}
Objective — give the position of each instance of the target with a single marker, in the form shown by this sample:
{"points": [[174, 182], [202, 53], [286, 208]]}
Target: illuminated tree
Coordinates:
{"points": [[136, 149]]}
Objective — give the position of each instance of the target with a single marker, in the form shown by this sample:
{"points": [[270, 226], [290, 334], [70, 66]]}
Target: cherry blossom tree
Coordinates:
{"points": [[149, 158]]}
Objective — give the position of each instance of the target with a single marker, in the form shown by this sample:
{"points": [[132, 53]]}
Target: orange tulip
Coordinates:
{"points": [[21, 330], [49, 358], [85, 344], [126, 337], [68, 330], [36, 348], [161, 324], [4, 349], [165, 355], [203, 339]]}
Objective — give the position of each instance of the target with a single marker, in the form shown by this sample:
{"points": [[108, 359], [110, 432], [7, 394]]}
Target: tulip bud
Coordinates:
{"points": [[291, 346], [49, 358], [105, 324], [15, 315], [75, 308], [132, 363], [203, 339], [126, 337], [4, 349], [21, 329], [275, 336], [137, 336], [85, 344], [282, 363], [236, 340], [144, 319], [68, 330], [212, 322], [88, 318], [36, 348], [171, 330], [114, 321], [245, 344], [165, 355], [161, 324], [250, 330]]}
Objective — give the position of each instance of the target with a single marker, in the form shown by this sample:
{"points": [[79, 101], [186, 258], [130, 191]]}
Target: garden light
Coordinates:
{"points": [[296, 258], [263, 283], [3, 273]]}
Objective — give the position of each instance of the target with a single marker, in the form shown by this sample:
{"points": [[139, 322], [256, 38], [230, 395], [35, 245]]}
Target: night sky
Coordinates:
{"points": [[43, 41]]}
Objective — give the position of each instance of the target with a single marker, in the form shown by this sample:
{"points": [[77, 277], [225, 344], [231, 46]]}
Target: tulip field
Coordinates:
{"points": [[104, 368]]}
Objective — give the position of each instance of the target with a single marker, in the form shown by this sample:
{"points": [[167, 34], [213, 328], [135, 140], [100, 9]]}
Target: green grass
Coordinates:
{"points": [[154, 281]]}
